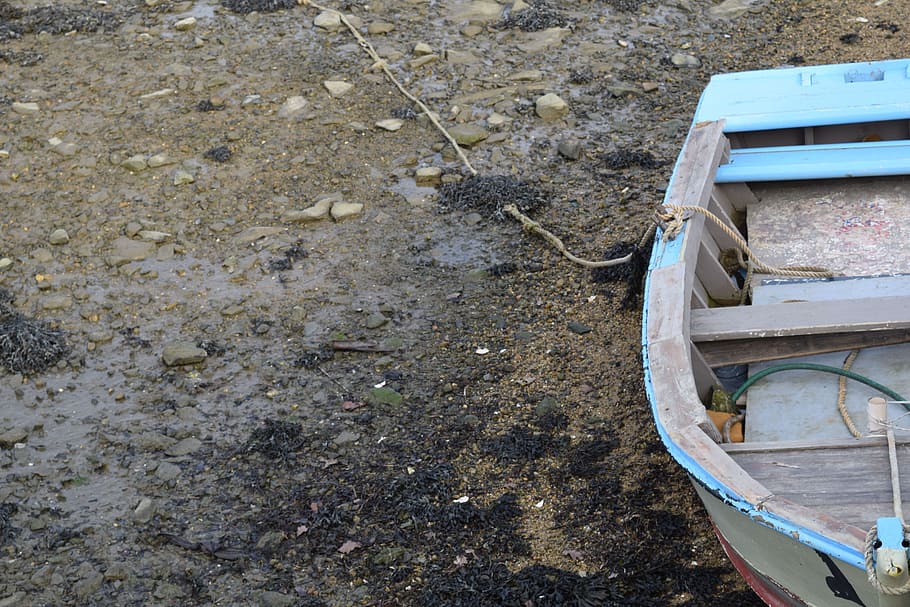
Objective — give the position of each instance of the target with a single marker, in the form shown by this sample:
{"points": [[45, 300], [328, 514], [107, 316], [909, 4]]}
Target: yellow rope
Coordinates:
{"points": [[675, 215], [842, 396], [380, 63], [530, 224]]}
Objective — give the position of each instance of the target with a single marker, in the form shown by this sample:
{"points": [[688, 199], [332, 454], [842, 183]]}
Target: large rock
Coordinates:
{"points": [[468, 134], [551, 107], [182, 353]]}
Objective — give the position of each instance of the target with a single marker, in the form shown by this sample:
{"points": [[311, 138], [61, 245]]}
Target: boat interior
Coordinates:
{"points": [[831, 197]]}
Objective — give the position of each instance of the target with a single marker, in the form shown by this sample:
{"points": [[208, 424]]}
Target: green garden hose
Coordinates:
{"points": [[825, 369]]}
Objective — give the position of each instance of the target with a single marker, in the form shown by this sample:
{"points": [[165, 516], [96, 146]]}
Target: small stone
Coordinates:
{"points": [[374, 321], [152, 441], [135, 163], [159, 160], [684, 60], [380, 27], [58, 237], [182, 177], [255, 233], [5, 263], [649, 87], [578, 328], [346, 437], [66, 149], [546, 406], [318, 211], [422, 48], [182, 353], [468, 134], [461, 57], [390, 124], [270, 541], [13, 436], [184, 447], [159, 94], [428, 176], [167, 471], [329, 21], [345, 210], [57, 302], [25, 108], [730, 9], [570, 148], [271, 598], [496, 120], [422, 60], [337, 88], [144, 511], [293, 106], [127, 250], [551, 107], [385, 396], [185, 24], [153, 235]]}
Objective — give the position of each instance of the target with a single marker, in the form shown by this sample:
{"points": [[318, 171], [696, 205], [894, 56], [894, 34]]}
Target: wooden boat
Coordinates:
{"points": [[804, 167]]}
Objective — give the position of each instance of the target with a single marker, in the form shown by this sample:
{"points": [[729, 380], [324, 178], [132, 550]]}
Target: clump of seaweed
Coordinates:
{"points": [[622, 158], [538, 16], [275, 439], [259, 6], [490, 194], [53, 19], [7, 531], [27, 346], [632, 273], [221, 153]]}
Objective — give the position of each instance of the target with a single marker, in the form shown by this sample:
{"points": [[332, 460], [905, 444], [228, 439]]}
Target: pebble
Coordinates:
{"points": [[57, 302], [184, 447], [730, 9], [543, 40], [551, 107], [422, 60], [159, 160], [684, 60], [570, 148], [390, 124], [578, 328], [329, 21], [255, 233], [127, 250], [182, 177], [346, 437], [346, 210], [66, 148], [5, 262], [271, 598], [385, 396], [13, 436], [58, 237], [496, 120], [182, 353], [185, 24], [153, 235], [135, 163], [167, 471], [422, 48], [318, 211], [293, 106], [25, 108], [468, 133], [380, 27], [144, 511], [374, 321], [152, 441], [337, 88], [428, 176], [461, 57]]}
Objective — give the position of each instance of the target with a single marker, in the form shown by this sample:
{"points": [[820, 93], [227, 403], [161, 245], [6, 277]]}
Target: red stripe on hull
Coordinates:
{"points": [[767, 589]]}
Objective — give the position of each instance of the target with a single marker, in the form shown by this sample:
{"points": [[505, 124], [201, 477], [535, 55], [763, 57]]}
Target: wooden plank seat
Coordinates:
{"points": [[820, 161], [742, 334], [856, 471]]}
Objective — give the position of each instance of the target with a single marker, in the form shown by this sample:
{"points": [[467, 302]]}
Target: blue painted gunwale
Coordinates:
{"points": [[772, 99], [808, 96]]}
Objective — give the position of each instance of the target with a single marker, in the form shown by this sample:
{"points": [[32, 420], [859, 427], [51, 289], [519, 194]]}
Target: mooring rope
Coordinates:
{"points": [[380, 63], [675, 215], [528, 223]]}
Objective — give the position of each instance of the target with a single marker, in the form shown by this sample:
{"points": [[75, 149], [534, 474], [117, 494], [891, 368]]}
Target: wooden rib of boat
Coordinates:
{"points": [[808, 167]]}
